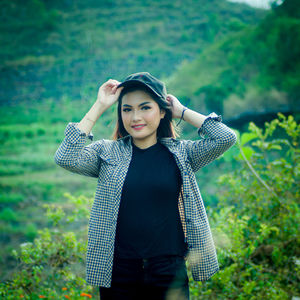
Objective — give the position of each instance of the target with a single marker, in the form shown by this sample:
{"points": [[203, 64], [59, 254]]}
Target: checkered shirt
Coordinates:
{"points": [[108, 160]]}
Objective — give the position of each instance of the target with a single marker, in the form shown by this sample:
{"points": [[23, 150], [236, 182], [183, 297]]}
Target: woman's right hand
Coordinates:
{"points": [[109, 93]]}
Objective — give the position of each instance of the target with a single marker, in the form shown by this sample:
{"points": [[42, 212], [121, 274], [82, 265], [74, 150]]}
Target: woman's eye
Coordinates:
{"points": [[126, 109], [146, 107]]}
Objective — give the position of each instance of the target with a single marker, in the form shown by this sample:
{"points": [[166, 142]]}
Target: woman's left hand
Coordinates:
{"points": [[177, 107]]}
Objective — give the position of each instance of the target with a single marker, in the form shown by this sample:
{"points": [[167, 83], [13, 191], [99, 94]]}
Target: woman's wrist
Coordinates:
{"points": [[98, 108], [181, 117], [91, 117], [192, 117]]}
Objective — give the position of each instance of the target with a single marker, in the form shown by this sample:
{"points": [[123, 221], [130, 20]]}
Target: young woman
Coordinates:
{"points": [[148, 216]]}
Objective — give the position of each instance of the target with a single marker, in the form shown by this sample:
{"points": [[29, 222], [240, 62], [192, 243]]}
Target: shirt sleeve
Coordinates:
{"points": [[74, 156], [216, 139]]}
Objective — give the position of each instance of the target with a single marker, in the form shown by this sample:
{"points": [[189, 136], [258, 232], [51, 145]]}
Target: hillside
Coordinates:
{"points": [[55, 48], [256, 70]]}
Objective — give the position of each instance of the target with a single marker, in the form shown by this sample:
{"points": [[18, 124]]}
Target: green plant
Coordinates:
{"points": [[52, 266], [255, 227]]}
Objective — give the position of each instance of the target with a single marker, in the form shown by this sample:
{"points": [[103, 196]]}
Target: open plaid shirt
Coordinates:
{"points": [[108, 160]]}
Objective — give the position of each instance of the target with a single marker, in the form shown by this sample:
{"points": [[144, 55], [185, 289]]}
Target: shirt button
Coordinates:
{"points": [[187, 195]]}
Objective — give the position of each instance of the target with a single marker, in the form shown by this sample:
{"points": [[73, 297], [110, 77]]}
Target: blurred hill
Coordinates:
{"points": [[51, 49], [250, 72]]}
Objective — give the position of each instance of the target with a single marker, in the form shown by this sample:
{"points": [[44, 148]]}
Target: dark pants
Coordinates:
{"points": [[157, 278]]}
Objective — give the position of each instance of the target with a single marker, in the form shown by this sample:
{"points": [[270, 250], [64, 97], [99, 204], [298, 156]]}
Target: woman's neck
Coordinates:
{"points": [[143, 144]]}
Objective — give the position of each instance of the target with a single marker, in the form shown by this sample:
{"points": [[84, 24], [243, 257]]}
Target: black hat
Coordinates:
{"points": [[145, 78]]}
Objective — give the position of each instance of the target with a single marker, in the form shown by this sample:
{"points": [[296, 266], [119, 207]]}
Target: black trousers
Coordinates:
{"points": [[157, 278]]}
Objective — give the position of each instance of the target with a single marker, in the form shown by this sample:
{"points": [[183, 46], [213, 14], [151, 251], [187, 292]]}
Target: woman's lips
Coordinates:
{"points": [[138, 127]]}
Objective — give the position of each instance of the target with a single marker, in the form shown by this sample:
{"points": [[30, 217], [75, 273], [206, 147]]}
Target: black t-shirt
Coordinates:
{"points": [[148, 221]]}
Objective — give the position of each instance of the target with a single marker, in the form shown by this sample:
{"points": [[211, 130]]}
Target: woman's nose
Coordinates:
{"points": [[136, 116]]}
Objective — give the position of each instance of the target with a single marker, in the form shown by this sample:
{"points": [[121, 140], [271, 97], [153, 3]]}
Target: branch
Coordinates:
{"points": [[257, 176]]}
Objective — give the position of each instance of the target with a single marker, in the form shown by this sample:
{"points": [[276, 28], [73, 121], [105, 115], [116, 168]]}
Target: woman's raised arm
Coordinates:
{"points": [[72, 154], [216, 139], [219, 137], [108, 94]]}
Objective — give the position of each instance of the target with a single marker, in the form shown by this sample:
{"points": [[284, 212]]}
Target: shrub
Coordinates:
{"points": [[255, 226], [52, 265]]}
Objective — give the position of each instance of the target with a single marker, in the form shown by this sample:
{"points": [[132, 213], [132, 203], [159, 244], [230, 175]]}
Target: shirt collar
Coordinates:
{"points": [[167, 141]]}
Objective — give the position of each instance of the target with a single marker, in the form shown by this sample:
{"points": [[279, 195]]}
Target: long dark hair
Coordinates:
{"points": [[165, 128]]}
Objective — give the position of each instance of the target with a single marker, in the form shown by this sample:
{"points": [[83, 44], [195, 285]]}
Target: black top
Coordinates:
{"points": [[148, 222]]}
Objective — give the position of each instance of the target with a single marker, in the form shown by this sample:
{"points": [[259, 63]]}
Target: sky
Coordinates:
{"points": [[256, 3]]}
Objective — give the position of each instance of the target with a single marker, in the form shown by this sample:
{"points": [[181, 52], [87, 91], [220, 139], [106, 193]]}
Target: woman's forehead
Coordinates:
{"points": [[136, 98]]}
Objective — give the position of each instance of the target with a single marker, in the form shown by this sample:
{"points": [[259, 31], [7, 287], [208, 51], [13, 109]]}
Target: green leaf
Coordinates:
{"points": [[277, 147], [247, 137], [230, 155], [248, 151]]}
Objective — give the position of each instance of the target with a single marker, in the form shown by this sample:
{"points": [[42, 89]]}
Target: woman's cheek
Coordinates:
{"points": [[153, 115], [125, 120]]}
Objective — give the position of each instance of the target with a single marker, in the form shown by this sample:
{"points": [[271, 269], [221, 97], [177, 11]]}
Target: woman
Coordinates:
{"points": [[148, 216]]}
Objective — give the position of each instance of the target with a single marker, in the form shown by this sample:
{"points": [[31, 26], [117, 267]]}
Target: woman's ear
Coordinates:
{"points": [[162, 113]]}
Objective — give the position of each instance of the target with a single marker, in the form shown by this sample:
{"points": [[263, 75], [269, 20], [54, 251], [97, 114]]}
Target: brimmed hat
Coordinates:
{"points": [[145, 78]]}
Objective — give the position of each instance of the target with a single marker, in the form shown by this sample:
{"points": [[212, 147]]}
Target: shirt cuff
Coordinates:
{"points": [[211, 118], [74, 134]]}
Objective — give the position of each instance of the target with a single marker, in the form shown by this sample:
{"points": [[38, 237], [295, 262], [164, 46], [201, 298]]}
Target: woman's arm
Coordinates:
{"points": [[194, 118], [219, 137], [72, 154], [91, 117], [108, 94]]}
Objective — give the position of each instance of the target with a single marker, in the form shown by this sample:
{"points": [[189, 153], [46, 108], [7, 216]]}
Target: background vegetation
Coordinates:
{"points": [[217, 56]]}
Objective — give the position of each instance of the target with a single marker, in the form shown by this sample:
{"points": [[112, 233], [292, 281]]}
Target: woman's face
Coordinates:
{"points": [[141, 116]]}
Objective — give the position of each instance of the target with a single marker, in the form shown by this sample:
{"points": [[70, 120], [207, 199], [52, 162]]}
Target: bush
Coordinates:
{"points": [[8, 215], [52, 266], [256, 226]]}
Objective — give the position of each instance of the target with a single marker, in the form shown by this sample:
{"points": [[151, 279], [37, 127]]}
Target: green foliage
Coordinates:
{"points": [[282, 63], [53, 264], [7, 214], [29, 22], [255, 226], [29, 136], [31, 231], [12, 198], [288, 7]]}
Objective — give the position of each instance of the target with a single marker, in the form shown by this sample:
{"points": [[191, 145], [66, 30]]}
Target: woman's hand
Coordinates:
{"points": [[109, 93], [177, 107]]}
